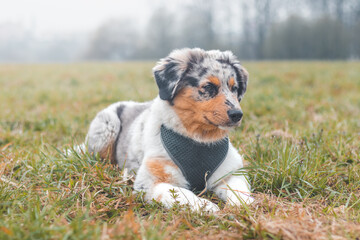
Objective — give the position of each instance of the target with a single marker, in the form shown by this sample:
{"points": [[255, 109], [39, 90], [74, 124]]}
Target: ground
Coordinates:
{"points": [[300, 139]]}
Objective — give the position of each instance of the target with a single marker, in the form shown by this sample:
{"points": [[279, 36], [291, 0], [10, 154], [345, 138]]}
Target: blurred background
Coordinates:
{"points": [[117, 30]]}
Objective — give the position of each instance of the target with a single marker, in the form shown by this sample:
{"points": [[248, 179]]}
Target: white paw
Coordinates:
{"points": [[239, 199], [203, 205], [170, 196], [195, 204]]}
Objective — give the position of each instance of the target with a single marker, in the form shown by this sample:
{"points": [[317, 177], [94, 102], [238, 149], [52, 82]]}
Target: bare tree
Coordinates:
{"points": [[114, 40], [247, 46], [263, 20], [339, 5], [197, 25], [160, 37]]}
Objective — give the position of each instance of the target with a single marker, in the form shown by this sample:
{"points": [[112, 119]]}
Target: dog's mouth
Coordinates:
{"points": [[229, 126], [223, 126], [210, 122]]}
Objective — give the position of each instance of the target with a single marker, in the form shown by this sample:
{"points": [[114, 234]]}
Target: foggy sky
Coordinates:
{"points": [[51, 17]]}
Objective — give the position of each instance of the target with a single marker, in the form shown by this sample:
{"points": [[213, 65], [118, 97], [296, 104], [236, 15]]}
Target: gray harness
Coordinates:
{"points": [[197, 161]]}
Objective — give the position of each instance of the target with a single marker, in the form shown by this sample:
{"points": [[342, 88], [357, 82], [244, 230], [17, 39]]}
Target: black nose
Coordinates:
{"points": [[235, 115]]}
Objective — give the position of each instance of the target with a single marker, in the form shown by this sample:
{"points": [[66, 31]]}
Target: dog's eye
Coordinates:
{"points": [[234, 89], [211, 89]]}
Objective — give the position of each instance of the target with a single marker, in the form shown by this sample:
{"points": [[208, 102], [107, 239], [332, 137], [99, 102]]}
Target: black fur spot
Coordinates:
{"points": [[170, 72], [210, 90], [191, 81], [227, 102], [226, 61], [119, 111], [203, 72], [196, 59]]}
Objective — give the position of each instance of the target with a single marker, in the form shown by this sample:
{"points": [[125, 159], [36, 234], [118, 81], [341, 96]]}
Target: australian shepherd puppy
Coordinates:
{"points": [[177, 143]]}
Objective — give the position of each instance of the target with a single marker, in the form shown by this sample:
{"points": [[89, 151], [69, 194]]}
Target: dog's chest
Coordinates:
{"points": [[197, 161]]}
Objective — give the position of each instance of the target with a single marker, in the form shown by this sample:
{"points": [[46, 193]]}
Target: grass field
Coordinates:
{"points": [[300, 138]]}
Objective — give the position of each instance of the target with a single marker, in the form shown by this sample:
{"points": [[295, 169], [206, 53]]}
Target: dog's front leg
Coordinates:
{"points": [[162, 180], [235, 190]]}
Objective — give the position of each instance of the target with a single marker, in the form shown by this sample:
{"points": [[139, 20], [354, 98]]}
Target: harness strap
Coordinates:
{"points": [[197, 161]]}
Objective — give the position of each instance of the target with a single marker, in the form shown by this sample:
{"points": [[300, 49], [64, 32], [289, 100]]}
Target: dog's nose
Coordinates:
{"points": [[235, 115]]}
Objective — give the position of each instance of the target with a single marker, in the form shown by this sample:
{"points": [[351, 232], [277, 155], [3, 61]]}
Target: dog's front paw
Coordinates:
{"points": [[204, 205], [195, 204], [170, 195], [239, 199]]}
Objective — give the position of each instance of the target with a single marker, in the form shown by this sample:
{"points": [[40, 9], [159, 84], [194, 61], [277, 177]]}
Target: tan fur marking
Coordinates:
{"points": [[156, 166], [214, 80], [201, 118], [231, 82]]}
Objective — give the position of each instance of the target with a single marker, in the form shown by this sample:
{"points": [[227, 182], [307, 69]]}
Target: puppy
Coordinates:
{"points": [[177, 144]]}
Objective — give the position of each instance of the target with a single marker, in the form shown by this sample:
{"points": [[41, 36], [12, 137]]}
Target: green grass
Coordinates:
{"points": [[300, 138]]}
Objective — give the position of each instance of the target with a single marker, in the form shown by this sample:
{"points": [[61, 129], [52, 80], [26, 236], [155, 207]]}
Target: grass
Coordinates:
{"points": [[300, 138]]}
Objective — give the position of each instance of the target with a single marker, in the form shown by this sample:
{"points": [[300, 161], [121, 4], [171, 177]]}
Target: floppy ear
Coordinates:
{"points": [[170, 71], [242, 77]]}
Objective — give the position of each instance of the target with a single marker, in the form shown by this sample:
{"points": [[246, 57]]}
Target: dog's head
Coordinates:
{"points": [[204, 88]]}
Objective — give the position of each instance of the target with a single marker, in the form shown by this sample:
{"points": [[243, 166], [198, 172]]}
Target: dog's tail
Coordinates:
{"points": [[103, 134]]}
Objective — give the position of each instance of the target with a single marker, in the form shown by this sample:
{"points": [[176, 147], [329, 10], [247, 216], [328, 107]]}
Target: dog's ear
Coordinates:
{"points": [[242, 75], [170, 71]]}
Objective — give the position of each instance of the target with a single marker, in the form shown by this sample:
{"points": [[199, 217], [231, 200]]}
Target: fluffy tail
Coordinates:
{"points": [[102, 135]]}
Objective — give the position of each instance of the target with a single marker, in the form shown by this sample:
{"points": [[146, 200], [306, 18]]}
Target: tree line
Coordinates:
{"points": [[252, 29], [257, 29]]}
